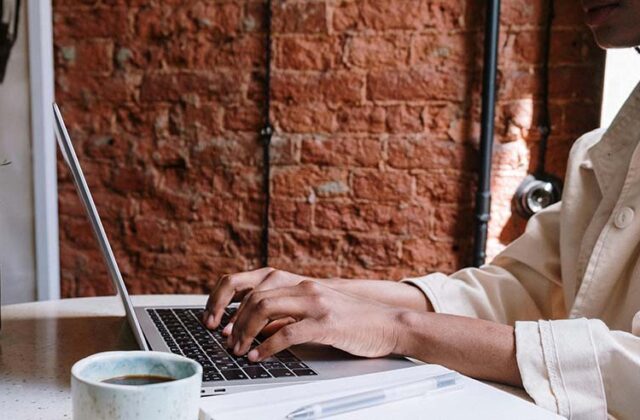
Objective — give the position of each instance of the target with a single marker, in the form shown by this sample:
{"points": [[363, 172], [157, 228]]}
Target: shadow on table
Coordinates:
{"points": [[41, 351]]}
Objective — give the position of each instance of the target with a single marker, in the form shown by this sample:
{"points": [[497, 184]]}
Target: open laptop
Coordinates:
{"points": [[179, 330]]}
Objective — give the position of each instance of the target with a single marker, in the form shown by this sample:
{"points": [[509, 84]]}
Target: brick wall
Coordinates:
{"points": [[376, 109]]}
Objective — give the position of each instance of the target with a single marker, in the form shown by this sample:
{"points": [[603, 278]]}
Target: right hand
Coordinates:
{"points": [[234, 287]]}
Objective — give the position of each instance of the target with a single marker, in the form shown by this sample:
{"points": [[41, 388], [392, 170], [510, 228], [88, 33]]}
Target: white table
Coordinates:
{"points": [[39, 342]]}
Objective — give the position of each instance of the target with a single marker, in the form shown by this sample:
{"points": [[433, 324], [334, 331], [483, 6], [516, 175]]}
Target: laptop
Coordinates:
{"points": [[178, 329]]}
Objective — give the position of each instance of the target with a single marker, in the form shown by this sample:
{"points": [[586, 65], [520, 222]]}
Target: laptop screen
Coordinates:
{"points": [[69, 154]]}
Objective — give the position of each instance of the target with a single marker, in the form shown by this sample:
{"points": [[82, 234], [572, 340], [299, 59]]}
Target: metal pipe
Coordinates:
{"points": [[266, 133], [489, 72]]}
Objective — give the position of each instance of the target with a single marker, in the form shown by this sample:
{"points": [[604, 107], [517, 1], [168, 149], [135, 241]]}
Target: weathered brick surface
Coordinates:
{"points": [[376, 109]]}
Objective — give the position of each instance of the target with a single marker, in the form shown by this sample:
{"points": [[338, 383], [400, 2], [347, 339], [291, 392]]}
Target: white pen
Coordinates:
{"points": [[446, 381]]}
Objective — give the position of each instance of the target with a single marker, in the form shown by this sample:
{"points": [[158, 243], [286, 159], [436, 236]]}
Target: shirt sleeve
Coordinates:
{"points": [[522, 283], [579, 368]]}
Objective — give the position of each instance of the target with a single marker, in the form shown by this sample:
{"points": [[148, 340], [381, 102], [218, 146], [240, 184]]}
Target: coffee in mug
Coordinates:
{"points": [[136, 385]]}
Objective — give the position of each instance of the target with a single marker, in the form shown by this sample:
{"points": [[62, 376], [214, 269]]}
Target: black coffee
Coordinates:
{"points": [[138, 380]]}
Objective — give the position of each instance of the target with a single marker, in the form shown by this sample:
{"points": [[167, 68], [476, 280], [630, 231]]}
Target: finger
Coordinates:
{"points": [[278, 278], [267, 331], [260, 311], [230, 287], [290, 335], [284, 291], [274, 326]]}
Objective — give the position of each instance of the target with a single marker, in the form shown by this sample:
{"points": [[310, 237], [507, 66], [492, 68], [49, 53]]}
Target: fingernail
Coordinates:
{"points": [[227, 330], [236, 349], [253, 355], [210, 320]]}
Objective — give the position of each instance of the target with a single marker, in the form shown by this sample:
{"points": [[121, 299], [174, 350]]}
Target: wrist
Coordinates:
{"points": [[409, 326]]}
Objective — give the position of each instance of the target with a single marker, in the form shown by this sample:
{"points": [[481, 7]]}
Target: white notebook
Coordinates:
{"points": [[474, 400]]}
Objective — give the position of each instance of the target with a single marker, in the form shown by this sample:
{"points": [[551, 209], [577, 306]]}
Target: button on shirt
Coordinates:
{"points": [[624, 217], [571, 283]]}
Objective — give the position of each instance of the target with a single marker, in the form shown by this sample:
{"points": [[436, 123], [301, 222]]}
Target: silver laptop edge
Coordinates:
{"points": [[327, 362], [69, 154]]}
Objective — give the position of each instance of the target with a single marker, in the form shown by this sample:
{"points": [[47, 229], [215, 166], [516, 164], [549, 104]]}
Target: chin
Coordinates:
{"points": [[610, 38]]}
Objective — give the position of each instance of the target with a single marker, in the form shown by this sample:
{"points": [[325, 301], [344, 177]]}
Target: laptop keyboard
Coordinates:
{"points": [[184, 334]]}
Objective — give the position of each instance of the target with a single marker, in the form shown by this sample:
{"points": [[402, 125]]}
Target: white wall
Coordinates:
{"points": [[17, 254], [621, 76]]}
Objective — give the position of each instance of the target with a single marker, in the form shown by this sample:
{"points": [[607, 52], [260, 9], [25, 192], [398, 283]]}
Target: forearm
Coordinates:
{"points": [[402, 295], [474, 347]]}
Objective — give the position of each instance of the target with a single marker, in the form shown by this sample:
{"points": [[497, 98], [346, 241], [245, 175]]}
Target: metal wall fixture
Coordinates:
{"points": [[266, 134], [489, 72], [541, 189]]}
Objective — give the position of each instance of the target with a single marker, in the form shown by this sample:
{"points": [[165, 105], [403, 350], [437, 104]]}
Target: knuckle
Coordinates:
{"points": [[226, 280], [288, 334], [252, 298], [320, 301], [274, 275], [263, 305], [310, 286]]}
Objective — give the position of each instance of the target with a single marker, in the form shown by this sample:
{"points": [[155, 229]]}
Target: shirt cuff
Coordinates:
{"points": [[559, 367], [429, 285]]}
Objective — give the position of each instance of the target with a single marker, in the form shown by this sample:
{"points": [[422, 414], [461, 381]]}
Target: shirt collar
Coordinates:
{"points": [[618, 142]]}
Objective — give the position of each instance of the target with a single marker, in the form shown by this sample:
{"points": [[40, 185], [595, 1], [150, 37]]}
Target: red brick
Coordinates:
{"points": [[287, 214], [341, 151], [299, 17], [93, 22], [356, 119], [424, 153], [382, 186], [377, 51], [427, 256], [417, 83], [445, 50], [372, 252], [307, 53], [332, 87], [400, 14], [302, 181], [305, 247], [304, 118], [173, 86], [405, 119], [244, 118], [154, 234], [86, 56], [223, 17], [447, 186]]}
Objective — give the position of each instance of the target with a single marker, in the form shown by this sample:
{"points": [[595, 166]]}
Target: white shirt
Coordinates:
{"points": [[571, 283]]}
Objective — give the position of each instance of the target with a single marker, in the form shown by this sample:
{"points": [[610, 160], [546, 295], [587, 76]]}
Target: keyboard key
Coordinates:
{"points": [[184, 334], [304, 372], [256, 372], [296, 365], [272, 365], [234, 374], [280, 373]]}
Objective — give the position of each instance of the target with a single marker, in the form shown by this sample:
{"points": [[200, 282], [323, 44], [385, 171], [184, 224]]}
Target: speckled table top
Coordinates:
{"points": [[39, 342]]}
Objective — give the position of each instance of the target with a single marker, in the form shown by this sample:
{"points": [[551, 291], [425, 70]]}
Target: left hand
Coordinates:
{"points": [[318, 314]]}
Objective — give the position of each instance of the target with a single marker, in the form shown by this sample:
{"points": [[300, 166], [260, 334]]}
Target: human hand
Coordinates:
{"points": [[233, 287], [318, 314]]}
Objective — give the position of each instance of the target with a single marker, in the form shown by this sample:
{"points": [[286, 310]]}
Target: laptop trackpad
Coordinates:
{"points": [[334, 363]]}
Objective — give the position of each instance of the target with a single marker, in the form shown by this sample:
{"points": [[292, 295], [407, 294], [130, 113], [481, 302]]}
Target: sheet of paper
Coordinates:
{"points": [[475, 400]]}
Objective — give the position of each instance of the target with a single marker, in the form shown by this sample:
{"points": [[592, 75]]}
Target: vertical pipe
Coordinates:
{"points": [[266, 133], [483, 196]]}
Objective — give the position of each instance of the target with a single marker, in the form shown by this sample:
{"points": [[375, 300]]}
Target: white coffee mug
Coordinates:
{"points": [[177, 398]]}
